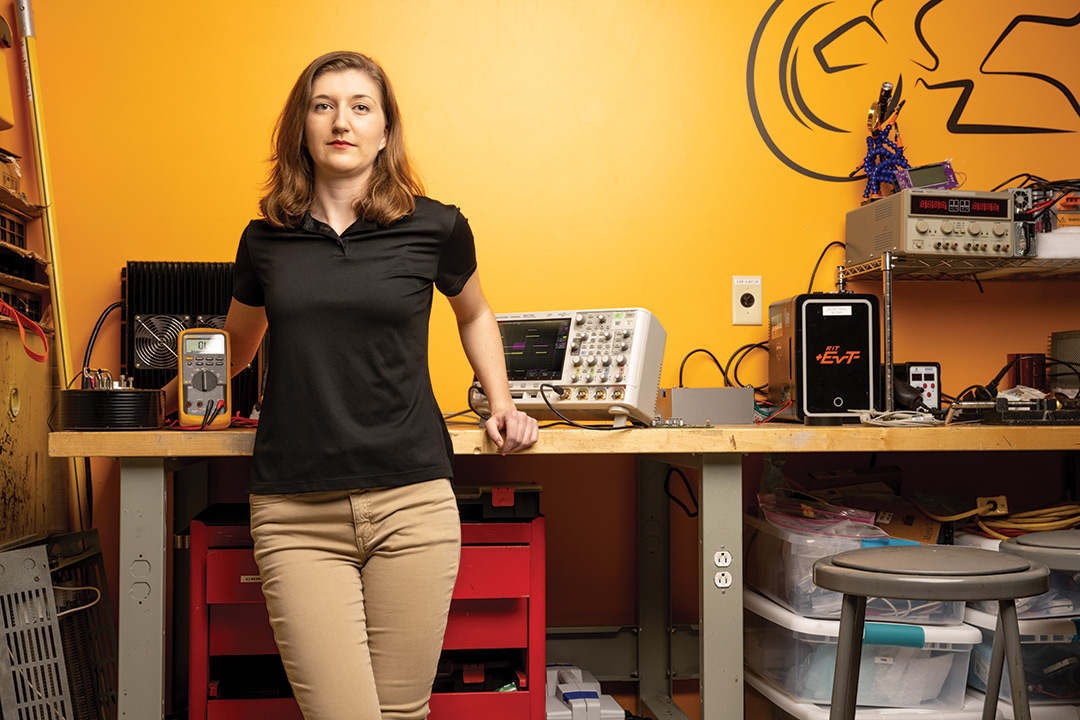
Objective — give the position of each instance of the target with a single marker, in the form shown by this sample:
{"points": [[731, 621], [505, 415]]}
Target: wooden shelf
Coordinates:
{"points": [[18, 204]]}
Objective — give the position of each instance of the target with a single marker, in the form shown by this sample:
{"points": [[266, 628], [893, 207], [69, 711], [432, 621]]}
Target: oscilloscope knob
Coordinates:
{"points": [[605, 359], [591, 360], [602, 319], [204, 381], [607, 336], [577, 361], [620, 359], [624, 333], [974, 228], [579, 318], [946, 227]]}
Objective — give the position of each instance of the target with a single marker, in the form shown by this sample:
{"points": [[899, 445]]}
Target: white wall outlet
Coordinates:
{"points": [[746, 300]]}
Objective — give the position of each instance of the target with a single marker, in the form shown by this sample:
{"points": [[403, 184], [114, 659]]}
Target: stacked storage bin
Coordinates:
{"points": [[915, 654], [1049, 633]]}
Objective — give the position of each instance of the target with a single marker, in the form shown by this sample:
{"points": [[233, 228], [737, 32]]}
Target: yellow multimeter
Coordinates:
{"points": [[205, 389]]}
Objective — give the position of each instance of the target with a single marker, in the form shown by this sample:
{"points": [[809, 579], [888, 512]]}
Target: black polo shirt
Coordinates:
{"points": [[348, 401]]}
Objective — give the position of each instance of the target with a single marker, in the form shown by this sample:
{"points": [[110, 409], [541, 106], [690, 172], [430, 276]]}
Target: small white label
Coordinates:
{"points": [[884, 517], [251, 578], [880, 660], [746, 279], [836, 310]]}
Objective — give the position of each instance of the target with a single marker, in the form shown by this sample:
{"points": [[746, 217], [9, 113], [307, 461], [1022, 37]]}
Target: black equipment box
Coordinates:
{"points": [[824, 356]]}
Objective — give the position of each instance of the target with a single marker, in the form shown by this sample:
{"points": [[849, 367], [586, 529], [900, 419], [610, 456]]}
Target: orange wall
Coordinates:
{"points": [[604, 152]]}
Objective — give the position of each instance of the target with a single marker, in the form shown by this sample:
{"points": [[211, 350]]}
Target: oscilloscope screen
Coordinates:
{"points": [[534, 349]]}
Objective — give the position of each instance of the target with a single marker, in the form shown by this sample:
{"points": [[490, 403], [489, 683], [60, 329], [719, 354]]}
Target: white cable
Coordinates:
{"points": [[80, 607], [899, 418]]}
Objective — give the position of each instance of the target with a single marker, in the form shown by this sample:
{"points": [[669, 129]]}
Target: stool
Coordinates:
{"points": [[1056, 549], [929, 572]]}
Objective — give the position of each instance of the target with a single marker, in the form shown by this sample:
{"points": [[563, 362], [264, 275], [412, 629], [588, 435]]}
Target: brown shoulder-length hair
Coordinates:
{"points": [[290, 190]]}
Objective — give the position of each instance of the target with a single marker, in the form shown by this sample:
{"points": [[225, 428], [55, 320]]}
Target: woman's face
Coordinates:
{"points": [[346, 125]]}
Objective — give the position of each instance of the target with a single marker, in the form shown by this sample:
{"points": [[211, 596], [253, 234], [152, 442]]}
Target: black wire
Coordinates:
{"points": [[820, 258], [97, 327], [976, 279], [559, 391], [989, 391], [483, 418], [746, 350], [723, 370], [686, 483]]}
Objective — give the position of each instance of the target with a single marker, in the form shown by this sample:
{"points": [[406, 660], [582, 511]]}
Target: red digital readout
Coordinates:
{"points": [[953, 206]]}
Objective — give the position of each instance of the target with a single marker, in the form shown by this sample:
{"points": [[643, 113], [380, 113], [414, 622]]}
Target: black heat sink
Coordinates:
{"points": [[161, 298]]}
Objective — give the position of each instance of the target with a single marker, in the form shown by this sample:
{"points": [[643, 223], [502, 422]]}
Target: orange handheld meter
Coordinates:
{"points": [[205, 390]]}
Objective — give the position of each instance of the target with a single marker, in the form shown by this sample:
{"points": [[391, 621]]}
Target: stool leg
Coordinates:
{"points": [[1014, 656], [848, 657], [993, 676]]}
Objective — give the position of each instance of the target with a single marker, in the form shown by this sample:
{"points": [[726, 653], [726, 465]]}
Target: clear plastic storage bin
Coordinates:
{"points": [[784, 707], [780, 565], [912, 666], [1061, 600], [1038, 712], [1051, 648]]}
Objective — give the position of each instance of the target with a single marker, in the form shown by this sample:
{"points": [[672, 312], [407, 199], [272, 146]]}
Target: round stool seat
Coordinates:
{"points": [[932, 572], [1057, 549]]}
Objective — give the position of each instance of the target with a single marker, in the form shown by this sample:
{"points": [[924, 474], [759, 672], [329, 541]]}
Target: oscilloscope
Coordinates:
{"points": [[593, 364]]}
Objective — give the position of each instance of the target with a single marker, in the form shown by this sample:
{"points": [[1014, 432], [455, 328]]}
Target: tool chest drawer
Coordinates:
{"points": [[232, 577], [497, 607]]}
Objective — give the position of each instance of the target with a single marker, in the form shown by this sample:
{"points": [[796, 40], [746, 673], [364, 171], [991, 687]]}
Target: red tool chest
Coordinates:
{"points": [[495, 631]]}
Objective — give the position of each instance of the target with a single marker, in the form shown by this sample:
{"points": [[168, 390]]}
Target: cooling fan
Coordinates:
{"points": [[210, 321], [156, 337]]}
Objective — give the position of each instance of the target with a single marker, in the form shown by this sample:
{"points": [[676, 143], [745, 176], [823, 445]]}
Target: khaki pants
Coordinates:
{"points": [[358, 586]]}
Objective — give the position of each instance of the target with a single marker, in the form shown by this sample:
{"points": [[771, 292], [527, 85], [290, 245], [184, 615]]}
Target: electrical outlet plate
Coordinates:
{"points": [[746, 300]]}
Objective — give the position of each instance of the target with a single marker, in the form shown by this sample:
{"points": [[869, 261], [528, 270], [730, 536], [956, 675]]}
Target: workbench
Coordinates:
{"points": [[716, 454]]}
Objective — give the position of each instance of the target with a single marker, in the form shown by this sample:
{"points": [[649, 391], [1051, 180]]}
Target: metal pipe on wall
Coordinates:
{"points": [[28, 41]]}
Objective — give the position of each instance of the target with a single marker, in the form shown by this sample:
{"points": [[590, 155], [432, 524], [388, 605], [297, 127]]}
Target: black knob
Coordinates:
{"points": [[204, 381]]}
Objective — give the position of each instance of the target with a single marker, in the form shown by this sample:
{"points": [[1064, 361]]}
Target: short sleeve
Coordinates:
{"points": [[457, 259], [246, 287]]}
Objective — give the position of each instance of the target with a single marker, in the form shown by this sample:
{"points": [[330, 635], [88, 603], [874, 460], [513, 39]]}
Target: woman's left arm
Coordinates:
{"points": [[509, 428]]}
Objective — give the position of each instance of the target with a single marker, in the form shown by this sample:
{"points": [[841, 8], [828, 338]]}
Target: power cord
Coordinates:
{"points": [[821, 257], [1002, 527], [672, 470], [723, 370], [899, 418]]}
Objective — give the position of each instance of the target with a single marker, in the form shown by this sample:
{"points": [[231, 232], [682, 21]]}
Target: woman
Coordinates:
{"points": [[355, 523]]}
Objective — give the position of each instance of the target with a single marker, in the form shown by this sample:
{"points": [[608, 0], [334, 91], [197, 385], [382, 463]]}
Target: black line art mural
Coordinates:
{"points": [[993, 74]]}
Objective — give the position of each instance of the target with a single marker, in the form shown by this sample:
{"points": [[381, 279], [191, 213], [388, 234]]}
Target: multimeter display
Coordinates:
{"points": [[205, 344]]}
